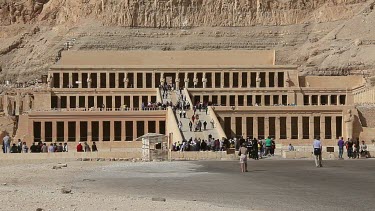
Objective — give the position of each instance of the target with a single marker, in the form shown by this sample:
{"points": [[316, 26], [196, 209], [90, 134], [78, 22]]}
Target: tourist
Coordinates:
{"points": [[206, 110], [14, 149], [349, 148], [19, 145], [363, 149], [356, 148], [212, 123], [79, 147], [184, 113], [87, 147], [341, 144], [51, 148], [255, 149], [93, 147], [25, 149], [44, 148], [291, 147], [65, 148], [243, 157], [33, 148], [273, 146], [180, 125], [6, 144], [59, 148], [268, 143], [249, 146], [317, 145], [204, 125], [190, 125]]}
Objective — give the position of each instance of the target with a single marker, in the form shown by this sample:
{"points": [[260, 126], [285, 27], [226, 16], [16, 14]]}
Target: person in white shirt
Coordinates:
{"points": [[317, 145]]}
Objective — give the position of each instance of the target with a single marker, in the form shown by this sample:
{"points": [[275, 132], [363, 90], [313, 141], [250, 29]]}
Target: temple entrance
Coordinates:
{"points": [[169, 80]]}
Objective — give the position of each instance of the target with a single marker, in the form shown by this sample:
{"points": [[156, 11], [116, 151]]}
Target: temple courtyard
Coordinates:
{"points": [[270, 184]]}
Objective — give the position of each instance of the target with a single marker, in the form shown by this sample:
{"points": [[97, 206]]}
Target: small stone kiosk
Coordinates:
{"points": [[154, 146]]}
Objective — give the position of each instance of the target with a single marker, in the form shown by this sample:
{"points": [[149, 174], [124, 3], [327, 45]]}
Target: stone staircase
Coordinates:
{"points": [[187, 134]]}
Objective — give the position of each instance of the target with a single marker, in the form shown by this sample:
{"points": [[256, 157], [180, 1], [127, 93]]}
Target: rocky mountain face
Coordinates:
{"points": [[325, 37]]}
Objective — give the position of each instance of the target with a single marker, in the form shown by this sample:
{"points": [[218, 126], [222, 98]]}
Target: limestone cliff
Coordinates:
{"points": [[331, 37]]}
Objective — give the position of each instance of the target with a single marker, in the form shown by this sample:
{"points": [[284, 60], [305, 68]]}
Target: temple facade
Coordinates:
{"points": [[112, 98]]}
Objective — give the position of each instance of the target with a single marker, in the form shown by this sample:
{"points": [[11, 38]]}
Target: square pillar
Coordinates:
{"points": [[98, 80], [54, 130], [333, 127], [89, 131], [123, 131], [240, 80], [78, 131], [144, 80], [66, 134], [222, 79], [153, 80], [255, 126], [311, 127], [243, 124], [266, 126], [276, 80], [61, 80], [135, 80], [277, 127], [300, 127], [322, 127], [233, 126], [70, 79], [100, 131], [134, 130], [288, 127], [267, 79], [230, 79], [213, 80], [43, 131], [80, 80], [107, 85], [319, 100], [248, 79], [112, 131], [329, 99]]}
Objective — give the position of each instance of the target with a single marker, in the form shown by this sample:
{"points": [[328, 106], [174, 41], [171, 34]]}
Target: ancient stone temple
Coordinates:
{"points": [[111, 97]]}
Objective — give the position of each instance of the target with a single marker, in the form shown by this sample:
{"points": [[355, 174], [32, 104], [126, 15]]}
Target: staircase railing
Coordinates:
{"points": [[172, 126], [218, 127]]}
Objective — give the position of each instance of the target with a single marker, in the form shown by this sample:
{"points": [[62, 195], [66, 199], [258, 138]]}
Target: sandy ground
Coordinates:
{"points": [[31, 185], [270, 184]]}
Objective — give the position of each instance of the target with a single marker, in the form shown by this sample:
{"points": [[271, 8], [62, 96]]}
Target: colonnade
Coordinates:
{"points": [[227, 78], [364, 96], [325, 99], [94, 130], [109, 101], [297, 127]]}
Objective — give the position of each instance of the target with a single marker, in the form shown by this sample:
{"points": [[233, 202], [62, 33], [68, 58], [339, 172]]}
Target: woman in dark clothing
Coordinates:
{"points": [[255, 149]]}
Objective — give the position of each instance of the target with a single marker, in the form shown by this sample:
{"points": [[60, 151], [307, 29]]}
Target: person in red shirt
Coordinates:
{"points": [[79, 147]]}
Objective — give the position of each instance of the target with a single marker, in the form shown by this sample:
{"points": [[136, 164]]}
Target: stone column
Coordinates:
{"points": [[61, 80], [131, 102], [186, 80], [258, 80], [143, 80], [204, 80], [267, 79], [263, 100], [213, 79], [100, 131], [123, 130], [66, 132], [117, 79], [322, 127], [59, 102], [333, 127], [195, 80], [222, 79], [80, 80], [96, 101], [70, 79], [319, 100], [113, 103], [255, 127], [112, 131], [277, 127], [78, 131], [329, 99], [98, 80], [153, 79], [248, 79], [245, 100], [157, 129], [105, 101], [54, 131], [89, 131], [230, 79], [300, 127], [266, 126], [311, 127], [77, 101], [243, 124], [233, 125], [135, 80], [310, 100], [89, 80], [43, 131], [86, 101], [228, 100], [68, 102], [240, 80], [276, 79], [288, 127], [134, 130]]}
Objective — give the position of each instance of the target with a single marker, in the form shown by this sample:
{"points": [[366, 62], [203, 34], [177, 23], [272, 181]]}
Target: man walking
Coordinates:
{"points": [[341, 144], [190, 125], [317, 145]]}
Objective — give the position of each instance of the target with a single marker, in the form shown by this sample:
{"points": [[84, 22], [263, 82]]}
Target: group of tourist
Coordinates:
{"points": [[40, 147], [197, 144], [354, 148]]}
